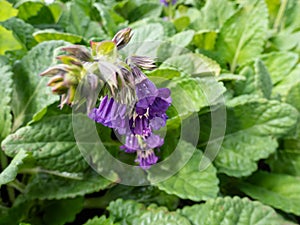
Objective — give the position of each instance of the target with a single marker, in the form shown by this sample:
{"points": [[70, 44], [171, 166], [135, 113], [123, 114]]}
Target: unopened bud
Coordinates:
{"points": [[122, 38], [79, 52]]}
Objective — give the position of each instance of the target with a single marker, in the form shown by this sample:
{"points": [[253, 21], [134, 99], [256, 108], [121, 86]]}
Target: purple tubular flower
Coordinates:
{"points": [[110, 114], [131, 144], [146, 158], [141, 126]]}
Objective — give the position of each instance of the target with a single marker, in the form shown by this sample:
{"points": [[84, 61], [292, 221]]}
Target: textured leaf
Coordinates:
{"points": [[125, 211], [7, 10], [99, 221], [232, 211], [51, 141], [193, 94], [214, 14], [5, 100], [242, 36], [22, 31], [291, 80], [76, 21], [252, 125], [191, 182], [263, 80], [48, 35], [194, 64], [131, 212], [31, 93], [279, 64], [8, 41], [161, 216], [61, 187], [10, 172], [261, 116], [278, 190], [60, 212], [240, 152]]}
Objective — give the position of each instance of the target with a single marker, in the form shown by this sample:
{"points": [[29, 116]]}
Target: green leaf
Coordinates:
{"points": [[145, 10], [205, 39], [75, 21], [125, 212], [214, 14], [278, 190], [193, 94], [161, 216], [10, 172], [240, 152], [285, 161], [45, 186], [262, 116], [131, 212], [182, 39], [34, 12], [5, 100], [252, 125], [263, 80], [50, 34], [291, 80], [242, 36], [232, 211], [51, 141], [279, 64], [8, 41], [22, 32], [107, 20], [59, 212], [147, 33], [181, 23], [7, 10], [99, 221], [30, 91], [165, 73], [193, 64], [191, 182]]}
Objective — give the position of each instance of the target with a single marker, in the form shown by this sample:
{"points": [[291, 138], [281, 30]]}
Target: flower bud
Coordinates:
{"points": [[122, 38]]}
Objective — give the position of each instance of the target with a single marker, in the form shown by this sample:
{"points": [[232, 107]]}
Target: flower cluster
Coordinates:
{"points": [[132, 105], [137, 123]]}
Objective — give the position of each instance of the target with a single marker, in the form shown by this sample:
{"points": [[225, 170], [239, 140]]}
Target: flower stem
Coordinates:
{"points": [[280, 15]]}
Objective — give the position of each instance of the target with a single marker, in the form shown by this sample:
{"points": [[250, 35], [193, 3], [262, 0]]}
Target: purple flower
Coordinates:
{"points": [[110, 114], [146, 158], [131, 144], [167, 2]]}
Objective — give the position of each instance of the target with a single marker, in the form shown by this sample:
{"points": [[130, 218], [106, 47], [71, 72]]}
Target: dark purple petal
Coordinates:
{"points": [[141, 125], [146, 158]]}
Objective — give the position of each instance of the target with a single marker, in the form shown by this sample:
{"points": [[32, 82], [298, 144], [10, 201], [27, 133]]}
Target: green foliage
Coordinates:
{"points": [[233, 70]]}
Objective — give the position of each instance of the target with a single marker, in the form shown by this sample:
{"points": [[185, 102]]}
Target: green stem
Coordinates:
{"points": [[17, 185], [4, 164], [74, 176], [280, 15]]}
